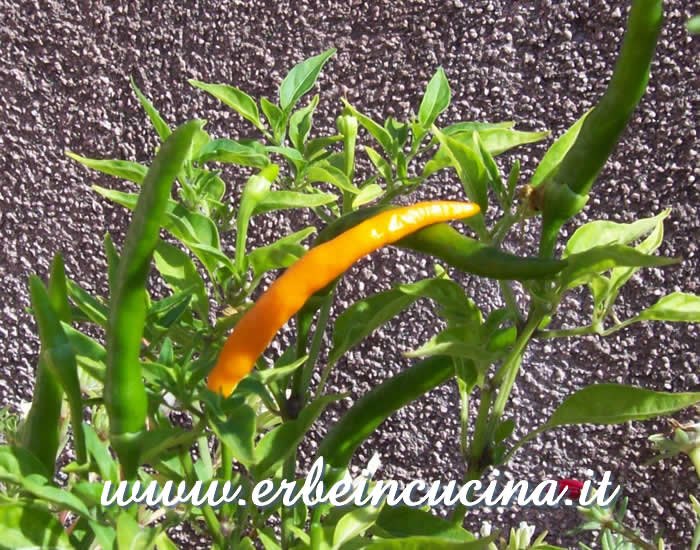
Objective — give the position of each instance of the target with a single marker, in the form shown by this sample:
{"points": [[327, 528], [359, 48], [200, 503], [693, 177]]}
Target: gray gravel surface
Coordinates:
{"points": [[64, 71]]}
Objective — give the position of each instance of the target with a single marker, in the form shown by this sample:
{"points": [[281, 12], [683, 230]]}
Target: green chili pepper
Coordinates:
{"points": [[58, 363], [565, 194], [125, 393], [464, 253], [40, 433], [376, 406]]}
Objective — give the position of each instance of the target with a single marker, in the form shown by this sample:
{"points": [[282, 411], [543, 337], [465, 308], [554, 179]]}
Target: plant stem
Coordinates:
{"points": [[207, 511], [563, 333], [631, 536], [288, 473]]}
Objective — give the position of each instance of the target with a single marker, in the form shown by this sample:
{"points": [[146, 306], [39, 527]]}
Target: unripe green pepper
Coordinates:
{"points": [[377, 405], [124, 392], [566, 192]]}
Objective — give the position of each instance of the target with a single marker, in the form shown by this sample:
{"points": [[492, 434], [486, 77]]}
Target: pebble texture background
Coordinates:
{"points": [[64, 85]]}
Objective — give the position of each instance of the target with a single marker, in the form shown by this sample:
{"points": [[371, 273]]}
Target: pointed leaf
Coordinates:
{"points": [[381, 134], [380, 164], [602, 232], [435, 100], [286, 200], [125, 169], [280, 254], [325, 172], [584, 266], [300, 124], [556, 152], [178, 270], [617, 403], [230, 151], [677, 306], [367, 193], [470, 168], [301, 79], [275, 117], [237, 431], [159, 124], [237, 99]]}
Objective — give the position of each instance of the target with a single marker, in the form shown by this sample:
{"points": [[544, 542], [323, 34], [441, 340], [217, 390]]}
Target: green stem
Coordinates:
{"points": [[316, 342], [509, 298], [508, 372], [631, 536], [208, 513], [288, 473], [563, 333]]}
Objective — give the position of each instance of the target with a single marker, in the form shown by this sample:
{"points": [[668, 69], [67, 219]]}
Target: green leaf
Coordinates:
{"points": [[382, 166], [557, 151], [301, 79], [159, 124], [16, 463], [451, 342], [280, 254], [470, 126], [227, 150], [125, 169], [616, 403], [131, 536], [380, 133], [494, 175], [367, 193], [167, 311], [59, 497], [279, 442], [30, 526], [185, 225], [435, 100], [602, 232], [268, 538], [300, 124], [677, 306], [180, 273], [317, 146], [326, 172], [500, 140], [237, 432], [93, 309], [421, 543], [237, 99], [397, 130], [404, 521], [470, 168], [276, 118], [287, 200], [585, 266], [106, 465], [353, 524], [605, 290]]}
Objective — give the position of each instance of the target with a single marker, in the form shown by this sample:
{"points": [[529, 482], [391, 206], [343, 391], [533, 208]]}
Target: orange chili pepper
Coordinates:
{"points": [[313, 271]]}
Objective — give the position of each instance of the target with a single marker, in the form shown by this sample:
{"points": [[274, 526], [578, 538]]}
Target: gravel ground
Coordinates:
{"points": [[64, 85]]}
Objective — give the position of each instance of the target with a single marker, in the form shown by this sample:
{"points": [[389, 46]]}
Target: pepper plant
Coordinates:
{"points": [[139, 406]]}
